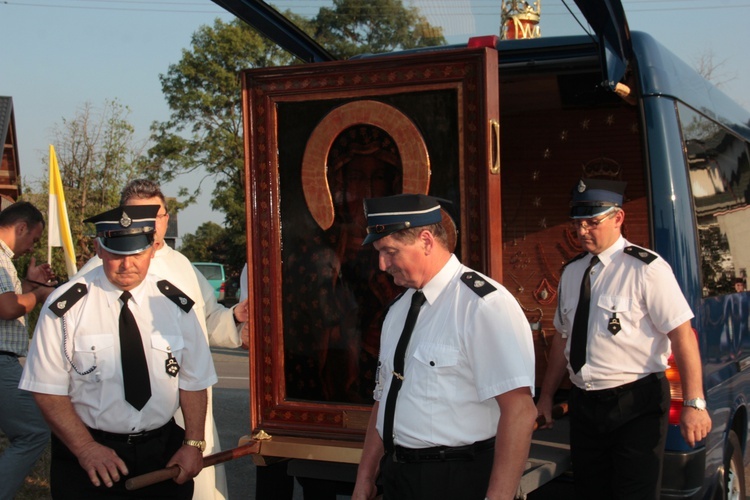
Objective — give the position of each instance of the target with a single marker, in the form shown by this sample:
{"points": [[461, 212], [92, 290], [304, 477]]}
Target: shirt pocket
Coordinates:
{"points": [[614, 309], [94, 358], [164, 347], [435, 365]]}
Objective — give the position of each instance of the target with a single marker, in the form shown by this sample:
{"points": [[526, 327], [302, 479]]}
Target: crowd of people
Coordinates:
{"points": [[119, 366]]}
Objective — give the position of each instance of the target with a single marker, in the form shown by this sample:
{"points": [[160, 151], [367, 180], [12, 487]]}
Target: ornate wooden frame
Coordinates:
{"points": [[274, 152]]}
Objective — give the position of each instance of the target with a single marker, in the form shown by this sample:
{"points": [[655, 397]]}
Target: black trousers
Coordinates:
{"points": [[617, 439], [450, 480], [68, 480]]}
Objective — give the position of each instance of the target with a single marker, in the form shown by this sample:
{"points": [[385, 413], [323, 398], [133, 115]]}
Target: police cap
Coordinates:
{"points": [[403, 211], [592, 197], [126, 230]]}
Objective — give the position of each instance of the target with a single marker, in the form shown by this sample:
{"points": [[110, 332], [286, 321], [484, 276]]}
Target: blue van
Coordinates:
{"points": [[506, 127]]}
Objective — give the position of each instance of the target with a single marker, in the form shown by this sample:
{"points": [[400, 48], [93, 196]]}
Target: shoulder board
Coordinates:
{"points": [[394, 301], [175, 295], [641, 254], [64, 302], [577, 257], [477, 283]]}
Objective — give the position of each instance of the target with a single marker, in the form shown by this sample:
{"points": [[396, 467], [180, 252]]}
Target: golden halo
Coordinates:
{"points": [[415, 161]]}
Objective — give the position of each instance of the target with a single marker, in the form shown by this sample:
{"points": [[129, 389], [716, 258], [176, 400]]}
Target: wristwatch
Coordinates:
{"points": [[697, 403], [201, 445]]}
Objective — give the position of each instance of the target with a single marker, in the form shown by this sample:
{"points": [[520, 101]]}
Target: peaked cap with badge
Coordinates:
{"points": [[390, 214], [126, 230], [592, 197]]}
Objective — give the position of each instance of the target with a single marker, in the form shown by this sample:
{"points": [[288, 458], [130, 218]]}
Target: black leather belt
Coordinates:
{"points": [[8, 353], [442, 453], [137, 438], [615, 391]]}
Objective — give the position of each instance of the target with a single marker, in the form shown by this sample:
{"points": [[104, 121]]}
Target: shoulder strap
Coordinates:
{"points": [[577, 257], [64, 302], [640, 253], [175, 295], [477, 283]]}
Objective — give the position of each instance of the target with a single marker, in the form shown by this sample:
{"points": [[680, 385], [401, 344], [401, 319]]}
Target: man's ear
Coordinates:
{"points": [[428, 241], [21, 227]]}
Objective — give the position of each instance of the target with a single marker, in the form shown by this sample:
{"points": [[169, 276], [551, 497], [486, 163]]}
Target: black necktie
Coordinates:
{"points": [[581, 321], [398, 369], [134, 366]]}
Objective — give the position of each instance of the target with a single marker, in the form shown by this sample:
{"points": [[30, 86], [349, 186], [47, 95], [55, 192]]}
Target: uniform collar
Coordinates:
{"points": [[606, 256], [436, 285], [113, 293]]}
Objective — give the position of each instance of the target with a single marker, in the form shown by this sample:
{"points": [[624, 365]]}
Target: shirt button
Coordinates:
{"points": [[588, 386]]}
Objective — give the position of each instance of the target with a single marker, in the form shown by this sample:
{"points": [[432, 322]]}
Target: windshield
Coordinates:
{"points": [[460, 20]]}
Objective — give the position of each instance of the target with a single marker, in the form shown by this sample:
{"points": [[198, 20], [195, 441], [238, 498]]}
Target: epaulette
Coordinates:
{"points": [[577, 257], [640, 253], [175, 295], [64, 302], [477, 283], [395, 299]]}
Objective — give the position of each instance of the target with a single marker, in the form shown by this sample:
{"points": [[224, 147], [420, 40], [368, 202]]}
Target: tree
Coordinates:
{"points": [[204, 131], [97, 154], [358, 27], [206, 245], [715, 72]]}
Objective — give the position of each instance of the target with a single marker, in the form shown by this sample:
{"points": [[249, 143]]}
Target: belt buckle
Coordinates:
{"points": [[136, 438]]}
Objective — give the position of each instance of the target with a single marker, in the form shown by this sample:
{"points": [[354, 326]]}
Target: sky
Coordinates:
{"points": [[57, 55]]}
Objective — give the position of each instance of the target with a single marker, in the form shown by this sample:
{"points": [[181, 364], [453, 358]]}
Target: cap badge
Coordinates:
{"points": [[581, 186], [125, 221]]}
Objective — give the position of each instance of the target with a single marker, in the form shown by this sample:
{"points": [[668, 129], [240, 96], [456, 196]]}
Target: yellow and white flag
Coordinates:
{"points": [[58, 233]]}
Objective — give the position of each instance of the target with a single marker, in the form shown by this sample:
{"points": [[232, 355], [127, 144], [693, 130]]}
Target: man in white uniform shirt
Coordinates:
{"points": [[460, 425], [115, 353], [222, 325], [615, 346]]}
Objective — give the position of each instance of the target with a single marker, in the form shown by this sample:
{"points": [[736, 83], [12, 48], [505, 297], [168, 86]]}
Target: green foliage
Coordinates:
{"points": [[204, 130], [97, 155], [206, 245], [360, 27]]}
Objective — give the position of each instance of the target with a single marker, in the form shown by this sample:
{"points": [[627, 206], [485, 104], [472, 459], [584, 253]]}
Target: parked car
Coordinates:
{"points": [[214, 273], [231, 291]]}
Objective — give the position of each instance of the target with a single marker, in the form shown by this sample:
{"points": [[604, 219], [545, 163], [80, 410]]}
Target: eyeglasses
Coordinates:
{"points": [[589, 224]]}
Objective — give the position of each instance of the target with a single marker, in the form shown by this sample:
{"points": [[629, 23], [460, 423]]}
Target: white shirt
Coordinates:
{"points": [[92, 339], [220, 330], [216, 320], [464, 351], [644, 297]]}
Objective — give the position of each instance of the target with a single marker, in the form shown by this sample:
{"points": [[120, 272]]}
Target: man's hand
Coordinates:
{"points": [[101, 464], [240, 311], [365, 490], [41, 274], [190, 461], [694, 425], [544, 409]]}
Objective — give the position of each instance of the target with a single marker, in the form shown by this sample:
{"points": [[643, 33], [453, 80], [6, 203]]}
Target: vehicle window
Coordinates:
{"points": [[210, 272], [720, 182]]}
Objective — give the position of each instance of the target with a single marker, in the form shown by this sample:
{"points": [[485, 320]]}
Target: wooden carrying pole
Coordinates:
{"points": [[252, 447], [160, 475]]}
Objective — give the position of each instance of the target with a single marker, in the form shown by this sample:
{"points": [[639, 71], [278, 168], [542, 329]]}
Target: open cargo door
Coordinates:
{"points": [[607, 18]]}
